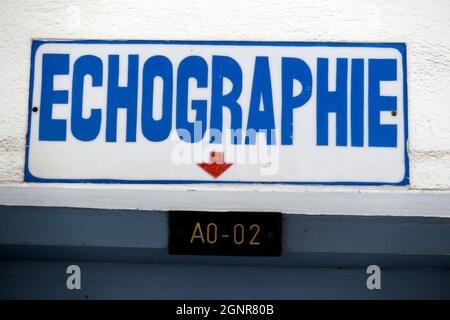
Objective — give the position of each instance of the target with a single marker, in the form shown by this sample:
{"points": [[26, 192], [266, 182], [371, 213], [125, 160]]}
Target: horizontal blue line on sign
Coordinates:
{"points": [[229, 42]]}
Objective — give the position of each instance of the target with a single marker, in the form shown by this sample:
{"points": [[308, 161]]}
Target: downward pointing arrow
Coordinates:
{"points": [[216, 165]]}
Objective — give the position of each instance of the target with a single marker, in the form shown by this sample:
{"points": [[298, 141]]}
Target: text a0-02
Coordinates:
{"points": [[225, 233]]}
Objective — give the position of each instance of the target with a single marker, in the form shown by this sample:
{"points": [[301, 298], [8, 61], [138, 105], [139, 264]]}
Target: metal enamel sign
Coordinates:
{"points": [[217, 112]]}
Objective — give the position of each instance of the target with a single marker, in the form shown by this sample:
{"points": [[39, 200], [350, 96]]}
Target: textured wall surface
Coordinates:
{"points": [[423, 25]]}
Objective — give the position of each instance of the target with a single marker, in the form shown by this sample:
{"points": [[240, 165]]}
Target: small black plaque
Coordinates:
{"points": [[225, 233]]}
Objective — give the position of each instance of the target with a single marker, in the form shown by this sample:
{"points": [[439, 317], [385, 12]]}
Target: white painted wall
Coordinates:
{"points": [[423, 25]]}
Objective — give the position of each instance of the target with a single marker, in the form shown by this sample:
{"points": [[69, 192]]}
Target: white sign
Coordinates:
{"points": [[220, 112]]}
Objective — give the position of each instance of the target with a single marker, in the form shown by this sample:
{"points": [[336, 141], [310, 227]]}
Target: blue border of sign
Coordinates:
{"points": [[401, 47]]}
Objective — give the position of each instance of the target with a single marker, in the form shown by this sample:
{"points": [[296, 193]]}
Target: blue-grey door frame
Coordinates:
{"points": [[123, 254]]}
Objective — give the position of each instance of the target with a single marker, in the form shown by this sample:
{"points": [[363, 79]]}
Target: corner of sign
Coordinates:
{"points": [[35, 44], [28, 176], [405, 180], [400, 47]]}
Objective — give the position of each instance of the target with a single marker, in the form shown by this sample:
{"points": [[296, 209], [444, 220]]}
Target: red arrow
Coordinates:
{"points": [[216, 165]]}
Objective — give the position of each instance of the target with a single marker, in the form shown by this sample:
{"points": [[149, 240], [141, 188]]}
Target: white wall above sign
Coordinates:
{"points": [[219, 112]]}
